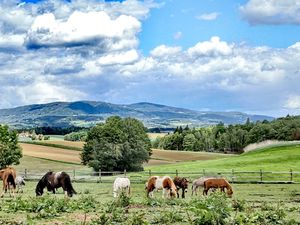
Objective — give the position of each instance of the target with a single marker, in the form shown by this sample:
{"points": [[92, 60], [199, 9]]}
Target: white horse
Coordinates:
{"points": [[121, 184], [20, 182]]}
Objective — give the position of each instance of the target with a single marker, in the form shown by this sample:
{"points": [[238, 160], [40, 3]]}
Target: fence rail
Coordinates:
{"points": [[233, 176]]}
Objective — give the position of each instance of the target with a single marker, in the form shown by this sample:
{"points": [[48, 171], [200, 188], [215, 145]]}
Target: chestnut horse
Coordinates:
{"points": [[165, 183], [217, 183], [181, 183], [52, 181], [8, 175]]}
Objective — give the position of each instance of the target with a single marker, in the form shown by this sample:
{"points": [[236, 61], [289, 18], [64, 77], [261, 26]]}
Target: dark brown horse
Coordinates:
{"points": [[52, 181], [8, 175], [181, 183]]}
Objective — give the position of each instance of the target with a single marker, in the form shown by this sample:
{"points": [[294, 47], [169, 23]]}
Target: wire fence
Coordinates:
{"points": [[233, 176]]}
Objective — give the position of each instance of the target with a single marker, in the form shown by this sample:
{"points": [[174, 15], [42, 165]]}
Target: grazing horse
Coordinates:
{"points": [[8, 175], [52, 181], [181, 183], [217, 183], [121, 184], [198, 183], [165, 183], [20, 182]]}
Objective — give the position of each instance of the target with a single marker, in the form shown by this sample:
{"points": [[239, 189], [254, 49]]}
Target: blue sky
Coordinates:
{"points": [[198, 54]]}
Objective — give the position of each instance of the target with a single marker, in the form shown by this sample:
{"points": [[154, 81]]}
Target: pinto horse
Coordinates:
{"points": [[181, 183], [217, 183], [52, 181], [8, 175], [165, 183]]}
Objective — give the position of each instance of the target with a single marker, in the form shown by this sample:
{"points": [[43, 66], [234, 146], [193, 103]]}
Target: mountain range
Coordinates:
{"points": [[88, 113]]}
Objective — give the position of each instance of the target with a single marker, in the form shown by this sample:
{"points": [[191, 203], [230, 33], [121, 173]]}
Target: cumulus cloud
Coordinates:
{"points": [[214, 47], [163, 50], [293, 102], [271, 11], [208, 16], [81, 29], [119, 58]]}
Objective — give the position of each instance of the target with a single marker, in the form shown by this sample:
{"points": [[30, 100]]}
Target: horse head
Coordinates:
{"points": [[39, 190]]}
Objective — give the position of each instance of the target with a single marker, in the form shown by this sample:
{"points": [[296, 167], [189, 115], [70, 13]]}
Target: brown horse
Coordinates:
{"points": [[8, 175], [217, 183], [181, 183]]}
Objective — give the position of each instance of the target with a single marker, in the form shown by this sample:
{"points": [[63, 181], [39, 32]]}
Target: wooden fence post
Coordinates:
{"points": [[261, 175], [176, 173], [203, 172], [291, 175], [25, 173], [125, 172], [74, 173], [99, 175], [149, 173]]}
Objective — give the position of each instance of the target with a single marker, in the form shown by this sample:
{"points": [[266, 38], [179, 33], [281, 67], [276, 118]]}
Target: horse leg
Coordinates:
{"points": [[177, 192], [183, 193], [4, 188]]}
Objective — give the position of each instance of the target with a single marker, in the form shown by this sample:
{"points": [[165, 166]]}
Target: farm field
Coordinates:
{"points": [[51, 153], [96, 201], [159, 157]]}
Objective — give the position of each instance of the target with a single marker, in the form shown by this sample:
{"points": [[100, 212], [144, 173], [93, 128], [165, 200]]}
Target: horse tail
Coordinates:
{"points": [[11, 179]]}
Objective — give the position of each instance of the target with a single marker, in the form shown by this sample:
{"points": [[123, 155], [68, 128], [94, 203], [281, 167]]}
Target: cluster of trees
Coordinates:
{"points": [[232, 138], [10, 151], [116, 145], [76, 136], [52, 130]]}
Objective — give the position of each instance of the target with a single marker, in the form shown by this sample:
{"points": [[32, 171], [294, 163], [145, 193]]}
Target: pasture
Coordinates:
{"points": [[94, 204]]}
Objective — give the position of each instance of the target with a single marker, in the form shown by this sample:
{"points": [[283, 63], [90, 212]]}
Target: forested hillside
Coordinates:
{"points": [[232, 138]]}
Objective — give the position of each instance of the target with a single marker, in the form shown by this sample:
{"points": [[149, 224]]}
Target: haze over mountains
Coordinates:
{"points": [[88, 113]]}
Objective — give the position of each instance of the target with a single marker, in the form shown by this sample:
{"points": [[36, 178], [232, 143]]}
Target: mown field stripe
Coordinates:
{"points": [[66, 147]]}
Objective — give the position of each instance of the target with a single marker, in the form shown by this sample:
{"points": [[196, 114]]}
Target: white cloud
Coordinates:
{"points": [[214, 47], [271, 11], [163, 50], [208, 16], [119, 58], [82, 29], [293, 102]]}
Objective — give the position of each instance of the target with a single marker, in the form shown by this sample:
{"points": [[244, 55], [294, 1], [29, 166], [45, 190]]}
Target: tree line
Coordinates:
{"points": [[231, 138]]}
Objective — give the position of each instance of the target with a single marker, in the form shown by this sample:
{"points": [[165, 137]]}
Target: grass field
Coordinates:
{"points": [[258, 198], [94, 199], [280, 158]]}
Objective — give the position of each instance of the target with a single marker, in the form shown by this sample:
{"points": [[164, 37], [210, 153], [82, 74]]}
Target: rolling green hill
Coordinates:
{"points": [[278, 158]]}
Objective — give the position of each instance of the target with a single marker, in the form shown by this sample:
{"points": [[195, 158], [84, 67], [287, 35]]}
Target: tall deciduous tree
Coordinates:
{"points": [[117, 144], [10, 151]]}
